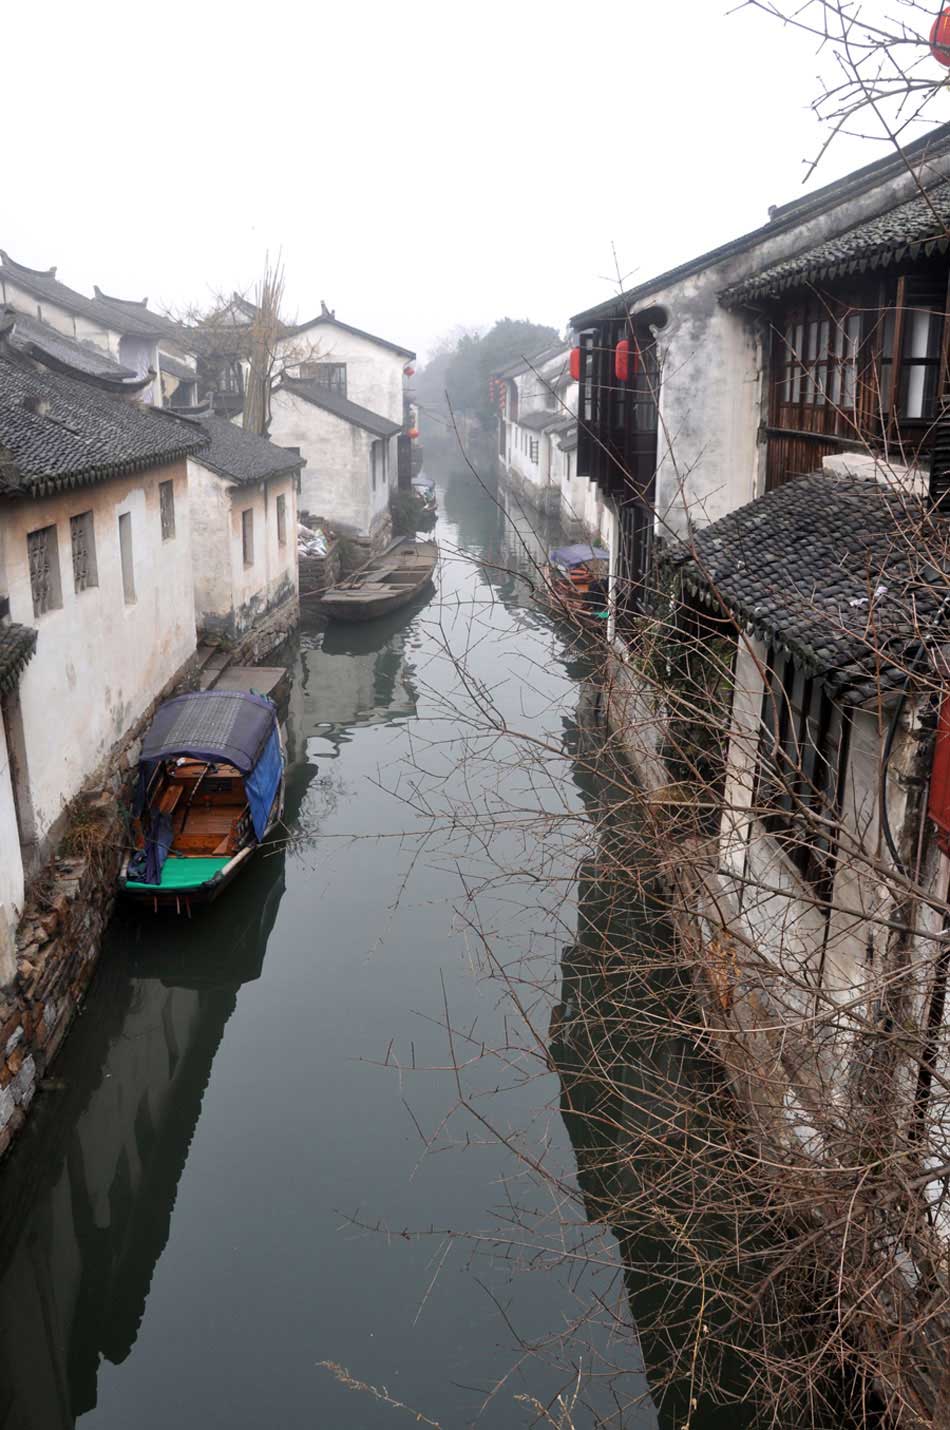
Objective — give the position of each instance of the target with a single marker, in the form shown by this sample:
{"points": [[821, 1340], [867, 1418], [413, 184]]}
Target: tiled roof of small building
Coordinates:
{"points": [[832, 569], [59, 431], [83, 357], [538, 421], [238, 455], [334, 322], [341, 407], [43, 283], [137, 311], [920, 225], [17, 644]]}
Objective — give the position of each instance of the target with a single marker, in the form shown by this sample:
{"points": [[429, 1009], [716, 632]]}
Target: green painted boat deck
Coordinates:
{"points": [[179, 874]]}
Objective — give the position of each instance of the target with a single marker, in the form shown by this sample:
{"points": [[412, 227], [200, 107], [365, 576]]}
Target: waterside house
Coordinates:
{"points": [[96, 586], [243, 494], [346, 406], [766, 425]]}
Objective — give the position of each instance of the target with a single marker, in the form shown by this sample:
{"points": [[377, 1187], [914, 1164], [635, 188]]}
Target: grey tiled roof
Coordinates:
{"points": [[341, 407], [43, 283], [136, 311], [17, 644], [919, 226], [830, 569], [83, 357], [61, 432], [238, 455]]}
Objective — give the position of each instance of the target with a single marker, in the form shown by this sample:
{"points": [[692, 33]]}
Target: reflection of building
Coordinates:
{"points": [[632, 1092], [87, 1205], [355, 675]]}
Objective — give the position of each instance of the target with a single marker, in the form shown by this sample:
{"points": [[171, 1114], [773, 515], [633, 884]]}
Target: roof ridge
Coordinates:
{"points": [[35, 272]]}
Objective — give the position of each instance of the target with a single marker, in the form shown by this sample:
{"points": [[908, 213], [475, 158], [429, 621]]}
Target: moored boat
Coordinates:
{"points": [[576, 581], [423, 489], [386, 582], [210, 789]]}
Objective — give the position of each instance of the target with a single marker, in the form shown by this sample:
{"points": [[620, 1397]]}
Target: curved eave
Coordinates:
{"points": [[766, 289], [17, 644], [44, 486]]}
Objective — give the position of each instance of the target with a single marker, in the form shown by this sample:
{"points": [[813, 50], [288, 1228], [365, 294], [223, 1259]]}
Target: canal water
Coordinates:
{"points": [[311, 1128]]}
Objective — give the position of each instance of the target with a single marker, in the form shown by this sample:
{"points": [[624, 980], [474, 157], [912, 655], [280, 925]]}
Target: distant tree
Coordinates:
{"points": [[463, 373]]}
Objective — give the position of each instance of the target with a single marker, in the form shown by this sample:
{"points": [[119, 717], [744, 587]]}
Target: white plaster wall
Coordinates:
{"points": [[336, 482], [374, 374], [229, 596], [61, 319], [520, 455], [11, 865], [99, 663], [210, 546]]}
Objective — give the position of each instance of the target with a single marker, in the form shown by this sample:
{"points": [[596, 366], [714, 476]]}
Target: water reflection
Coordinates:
{"points": [[89, 1197]]}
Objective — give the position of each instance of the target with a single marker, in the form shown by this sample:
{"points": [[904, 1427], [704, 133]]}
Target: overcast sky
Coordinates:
{"points": [[418, 165]]}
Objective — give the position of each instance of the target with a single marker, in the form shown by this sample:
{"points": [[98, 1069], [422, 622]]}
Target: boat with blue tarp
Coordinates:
{"points": [[576, 582], [210, 790]]}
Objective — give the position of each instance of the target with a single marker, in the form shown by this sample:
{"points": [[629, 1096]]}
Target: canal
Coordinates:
{"points": [[310, 1128]]}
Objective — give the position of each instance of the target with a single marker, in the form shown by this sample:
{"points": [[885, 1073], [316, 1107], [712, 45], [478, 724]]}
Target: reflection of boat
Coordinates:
{"points": [[210, 788], [423, 489], [576, 581], [385, 583]]}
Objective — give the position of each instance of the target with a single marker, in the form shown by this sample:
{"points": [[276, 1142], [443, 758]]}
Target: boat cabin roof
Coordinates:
{"points": [[232, 726]]}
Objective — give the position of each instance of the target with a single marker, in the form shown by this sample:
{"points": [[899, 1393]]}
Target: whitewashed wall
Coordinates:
{"points": [[74, 326], [229, 596], [99, 662], [374, 374], [11, 865], [336, 482]]}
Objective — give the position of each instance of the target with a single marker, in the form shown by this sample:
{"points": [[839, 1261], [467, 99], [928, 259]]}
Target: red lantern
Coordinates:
{"points": [[409, 372], [413, 432], [940, 39], [626, 360], [576, 364]]}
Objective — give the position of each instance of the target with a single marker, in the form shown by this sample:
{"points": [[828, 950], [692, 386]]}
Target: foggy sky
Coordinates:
{"points": [[419, 165]]}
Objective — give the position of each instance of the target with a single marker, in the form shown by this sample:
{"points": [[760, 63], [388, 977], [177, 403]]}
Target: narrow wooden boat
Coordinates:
{"points": [[423, 489], [575, 583], [385, 583], [210, 789]]}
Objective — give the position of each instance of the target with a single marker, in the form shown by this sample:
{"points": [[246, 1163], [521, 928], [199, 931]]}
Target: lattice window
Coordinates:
{"points": [[533, 449], [247, 536], [331, 375], [166, 502], [83, 541], [126, 557], [282, 521], [45, 583]]}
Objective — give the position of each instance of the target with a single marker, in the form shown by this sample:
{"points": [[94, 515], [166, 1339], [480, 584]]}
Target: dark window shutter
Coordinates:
{"points": [[940, 466]]}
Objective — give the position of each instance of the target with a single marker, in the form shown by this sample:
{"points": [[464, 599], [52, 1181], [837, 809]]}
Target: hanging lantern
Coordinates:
{"points": [[622, 360], [409, 372], [940, 38], [413, 432], [575, 365]]}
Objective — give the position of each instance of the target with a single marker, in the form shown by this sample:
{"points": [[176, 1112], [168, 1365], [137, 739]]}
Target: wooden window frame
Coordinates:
{"points": [[803, 758], [127, 557], [247, 536], [166, 507], [280, 507], [82, 540], [46, 584], [329, 375]]}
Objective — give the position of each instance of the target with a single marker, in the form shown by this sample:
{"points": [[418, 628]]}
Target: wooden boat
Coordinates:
{"points": [[575, 583], [385, 583], [423, 489], [210, 789]]}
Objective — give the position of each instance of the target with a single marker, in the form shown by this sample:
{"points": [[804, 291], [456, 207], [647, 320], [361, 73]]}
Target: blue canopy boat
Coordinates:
{"points": [[423, 489], [576, 581], [210, 789]]}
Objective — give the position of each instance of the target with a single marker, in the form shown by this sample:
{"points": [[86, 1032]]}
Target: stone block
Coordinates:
{"points": [[24, 1084], [14, 1040], [7, 1106]]}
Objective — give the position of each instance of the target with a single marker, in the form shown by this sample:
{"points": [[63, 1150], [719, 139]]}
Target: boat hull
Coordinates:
{"points": [[386, 583]]}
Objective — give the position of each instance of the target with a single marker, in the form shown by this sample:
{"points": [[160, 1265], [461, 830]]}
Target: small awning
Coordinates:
{"points": [[227, 725], [577, 555], [537, 421]]}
